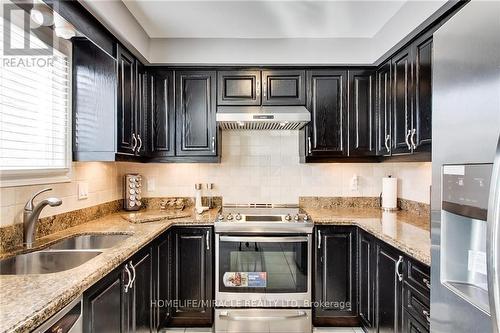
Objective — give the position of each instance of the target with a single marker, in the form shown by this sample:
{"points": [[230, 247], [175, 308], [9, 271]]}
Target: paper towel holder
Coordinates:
{"points": [[386, 209]]}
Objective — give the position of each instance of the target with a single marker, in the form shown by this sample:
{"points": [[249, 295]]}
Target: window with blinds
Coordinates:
{"points": [[35, 106]]}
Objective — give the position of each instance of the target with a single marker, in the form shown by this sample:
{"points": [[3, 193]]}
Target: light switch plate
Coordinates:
{"points": [[151, 185], [83, 190]]}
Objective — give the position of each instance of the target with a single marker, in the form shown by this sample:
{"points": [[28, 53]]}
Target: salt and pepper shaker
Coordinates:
{"points": [[210, 187], [198, 206]]}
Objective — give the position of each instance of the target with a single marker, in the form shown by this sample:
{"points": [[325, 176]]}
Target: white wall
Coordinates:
{"points": [[261, 51], [264, 167], [104, 186]]}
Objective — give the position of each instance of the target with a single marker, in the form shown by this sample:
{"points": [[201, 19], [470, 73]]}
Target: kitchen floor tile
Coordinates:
{"points": [[173, 330], [334, 330], [199, 330]]}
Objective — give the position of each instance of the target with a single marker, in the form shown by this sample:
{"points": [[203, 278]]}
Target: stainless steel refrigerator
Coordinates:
{"points": [[465, 167]]}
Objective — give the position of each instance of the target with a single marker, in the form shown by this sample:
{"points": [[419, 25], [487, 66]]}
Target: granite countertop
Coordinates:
{"points": [[405, 231], [26, 301]]}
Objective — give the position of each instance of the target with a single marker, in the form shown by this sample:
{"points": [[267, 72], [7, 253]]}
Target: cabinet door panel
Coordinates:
{"points": [[195, 110], [402, 102], [335, 284], [366, 255], [384, 115], [326, 102], [422, 121], [161, 113], [283, 87], [191, 270], [411, 325], [238, 88], [103, 306], [142, 292], [361, 113], [126, 100], [388, 291], [141, 110]]}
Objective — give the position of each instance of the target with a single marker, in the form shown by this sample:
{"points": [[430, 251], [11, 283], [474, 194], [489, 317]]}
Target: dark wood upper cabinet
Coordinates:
{"points": [[421, 136], [335, 276], [402, 102], [384, 106], [361, 114], [195, 113], [326, 100], [126, 102], [388, 289], [283, 87], [366, 276], [241, 87], [141, 100], [191, 270], [94, 101], [161, 115]]}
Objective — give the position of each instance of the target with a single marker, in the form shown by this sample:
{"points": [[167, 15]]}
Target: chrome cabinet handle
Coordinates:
{"points": [[407, 138], [133, 276], [207, 240], [140, 143], [264, 88], [387, 138], [398, 264], [319, 239], [134, 142], [427, 282], [412, 138], [257, 88], [427, 315], [213, 144], [129, 278], [309, 146]]}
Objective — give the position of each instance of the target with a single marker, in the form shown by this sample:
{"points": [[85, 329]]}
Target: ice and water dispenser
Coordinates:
{"points": [[464, 231]]}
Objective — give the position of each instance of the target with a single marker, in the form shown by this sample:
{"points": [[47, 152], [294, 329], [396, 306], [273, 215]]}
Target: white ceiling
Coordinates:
{"points": [[263, 19]]}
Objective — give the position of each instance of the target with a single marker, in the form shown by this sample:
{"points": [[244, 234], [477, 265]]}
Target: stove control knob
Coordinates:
{"points": [[238, 216], [288, 217], [306, 217], [220, 217], [296, 217], [229, 217]]}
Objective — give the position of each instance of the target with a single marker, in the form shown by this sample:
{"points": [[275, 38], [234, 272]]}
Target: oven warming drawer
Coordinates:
{"points": [[263, 320]]}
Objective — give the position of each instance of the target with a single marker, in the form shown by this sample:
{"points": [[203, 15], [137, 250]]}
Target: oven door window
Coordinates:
{"points": [[263, 264]]}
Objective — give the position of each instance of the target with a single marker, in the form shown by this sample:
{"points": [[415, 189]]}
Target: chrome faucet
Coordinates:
{"points": [[31, 214]]}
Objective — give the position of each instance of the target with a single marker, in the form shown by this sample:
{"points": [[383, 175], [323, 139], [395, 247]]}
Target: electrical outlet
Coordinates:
{"points": [[83, 190], [151, 185], [354, 183]]}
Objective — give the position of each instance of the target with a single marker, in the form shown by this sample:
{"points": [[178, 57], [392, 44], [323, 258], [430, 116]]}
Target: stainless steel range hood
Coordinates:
{"points": [[262, 117]]}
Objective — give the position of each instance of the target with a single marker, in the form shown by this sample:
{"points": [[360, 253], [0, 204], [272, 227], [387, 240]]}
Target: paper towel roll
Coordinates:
{"points": [[389, 193]]}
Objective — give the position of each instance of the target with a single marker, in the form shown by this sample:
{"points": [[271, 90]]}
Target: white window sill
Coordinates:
{"points": [[34, 177]]}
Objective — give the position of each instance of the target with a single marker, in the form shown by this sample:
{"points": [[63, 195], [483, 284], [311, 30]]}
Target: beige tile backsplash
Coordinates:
{"points": [[256, 166], [103, 184], [263, 166]]}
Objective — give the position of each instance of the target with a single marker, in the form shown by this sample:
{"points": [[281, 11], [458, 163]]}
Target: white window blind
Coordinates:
{"points": [[34, 108]]}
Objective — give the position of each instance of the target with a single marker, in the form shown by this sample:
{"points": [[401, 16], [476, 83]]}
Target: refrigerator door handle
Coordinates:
{"points": [[492, 243]]}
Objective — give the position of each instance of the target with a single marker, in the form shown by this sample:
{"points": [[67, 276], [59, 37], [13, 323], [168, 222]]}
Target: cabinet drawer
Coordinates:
{"points": [[417, 275], [416, 304], [410, 325]]}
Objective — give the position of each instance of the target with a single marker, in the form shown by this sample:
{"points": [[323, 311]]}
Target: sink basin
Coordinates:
{"points": [[89, 242], [44, 262]]}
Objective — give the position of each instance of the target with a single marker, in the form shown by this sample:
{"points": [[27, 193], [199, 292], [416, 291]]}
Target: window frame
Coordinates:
{"points": [[25, 177]]}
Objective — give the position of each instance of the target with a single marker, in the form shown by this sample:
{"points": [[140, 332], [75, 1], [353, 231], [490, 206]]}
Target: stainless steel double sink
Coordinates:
{"points": [[63, 255]]}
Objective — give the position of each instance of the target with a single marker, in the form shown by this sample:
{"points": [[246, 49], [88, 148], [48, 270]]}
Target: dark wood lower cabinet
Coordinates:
{"points": [[411, 325], [366, 275], [191, 276], [141, 293], [103, 309], [335, 281]]}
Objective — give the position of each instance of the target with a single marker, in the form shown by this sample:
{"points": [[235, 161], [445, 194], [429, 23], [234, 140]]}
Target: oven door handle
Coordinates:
{"points": [[228, 316], [251, 239]]}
